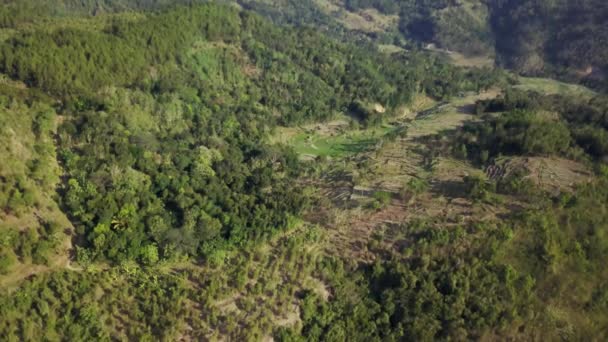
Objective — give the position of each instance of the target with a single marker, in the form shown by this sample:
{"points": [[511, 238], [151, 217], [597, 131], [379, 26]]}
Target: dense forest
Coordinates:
{"points": [[165, 116], [169, 170], [563, 38]]}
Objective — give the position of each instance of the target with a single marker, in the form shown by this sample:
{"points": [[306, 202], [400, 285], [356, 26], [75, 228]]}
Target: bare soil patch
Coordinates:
{"points": [[551, 174]]}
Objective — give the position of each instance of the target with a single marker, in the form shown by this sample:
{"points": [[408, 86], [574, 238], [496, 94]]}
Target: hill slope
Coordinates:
{"points": [[540, 37], [199, 173], [164, 118], [561, 38]]}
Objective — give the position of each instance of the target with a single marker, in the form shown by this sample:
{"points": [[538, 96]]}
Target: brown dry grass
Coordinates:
{"points": [[354, 229], [459, 59], [368, 20], [551, 174]]}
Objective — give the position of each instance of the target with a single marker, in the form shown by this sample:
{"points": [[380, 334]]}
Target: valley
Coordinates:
{"points": [[297, 171]]}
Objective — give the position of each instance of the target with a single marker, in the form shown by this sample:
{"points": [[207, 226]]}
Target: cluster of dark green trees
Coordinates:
{"points": [[15, 13], [419, 21], [529, 123], [563, 34], [532, 124], [533, 37]]}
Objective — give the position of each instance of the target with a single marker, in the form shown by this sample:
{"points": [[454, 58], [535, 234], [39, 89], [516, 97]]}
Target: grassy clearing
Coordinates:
{"points": [[449, 169], [446, 116], [436, 123], [336, 139], [368, 20], [420, 103], [550, 86], [315, 143], [390, 48], [460, 59]]}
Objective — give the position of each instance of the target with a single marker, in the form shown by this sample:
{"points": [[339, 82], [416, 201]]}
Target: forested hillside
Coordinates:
{"points": [[564, 38], [164, 117], [256, 170], [537, 36]]}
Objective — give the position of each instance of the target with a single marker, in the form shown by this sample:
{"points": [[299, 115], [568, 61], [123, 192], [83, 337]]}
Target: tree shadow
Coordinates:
{"points": [[466, 109], [354, 147], [451, 189]]}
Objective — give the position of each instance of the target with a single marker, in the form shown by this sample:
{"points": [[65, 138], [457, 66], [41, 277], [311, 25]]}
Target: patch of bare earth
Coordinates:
{"points": [[319, 287], [356, 237], [355, 229], [551, 174], [330, 128]]}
